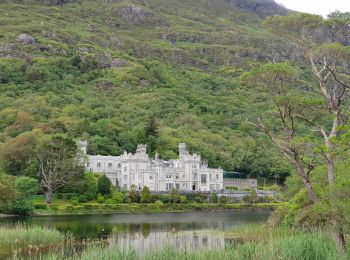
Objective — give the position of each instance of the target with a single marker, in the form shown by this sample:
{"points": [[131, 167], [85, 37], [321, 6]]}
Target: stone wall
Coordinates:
{"points": [[241, 183]]}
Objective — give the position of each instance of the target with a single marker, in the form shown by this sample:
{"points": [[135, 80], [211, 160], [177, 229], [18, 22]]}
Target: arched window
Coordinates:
{"points": [[98, 164]]}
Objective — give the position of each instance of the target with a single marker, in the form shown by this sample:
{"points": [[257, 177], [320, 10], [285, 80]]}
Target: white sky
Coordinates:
{"points": [[322, 7]]}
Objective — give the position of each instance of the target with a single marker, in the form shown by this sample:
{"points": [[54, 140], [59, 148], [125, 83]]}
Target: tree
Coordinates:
{"points": [[26, 186], [18, 152], [104, 185], [324, 45], [58, 161], [146, 196], [279, 82], [174, 196], [7, 191], [152, 134], [134, 195], [89, 187]]}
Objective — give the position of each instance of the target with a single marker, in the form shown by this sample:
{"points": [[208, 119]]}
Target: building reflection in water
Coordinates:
{"points": [[142, 242]]}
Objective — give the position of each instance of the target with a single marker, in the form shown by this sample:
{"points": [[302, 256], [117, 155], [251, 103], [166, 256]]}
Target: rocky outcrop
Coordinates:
{"points": [[261, 7], [25, 39], [135, 15], [117, 63], [60, 2]]}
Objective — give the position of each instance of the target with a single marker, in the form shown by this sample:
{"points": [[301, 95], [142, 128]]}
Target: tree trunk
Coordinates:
{"points": [[306, 181], [336, 222], [48, 197]]}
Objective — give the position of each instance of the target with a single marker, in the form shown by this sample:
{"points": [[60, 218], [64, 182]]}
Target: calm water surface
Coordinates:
{"points": [[146, 231]]}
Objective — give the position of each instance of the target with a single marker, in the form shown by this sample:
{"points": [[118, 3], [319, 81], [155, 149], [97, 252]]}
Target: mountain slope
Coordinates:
{"points": [[101, 69]]}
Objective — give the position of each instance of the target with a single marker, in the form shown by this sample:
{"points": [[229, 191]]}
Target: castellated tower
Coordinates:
{"points": [[83, 146], [141, 149], [182, 149]]}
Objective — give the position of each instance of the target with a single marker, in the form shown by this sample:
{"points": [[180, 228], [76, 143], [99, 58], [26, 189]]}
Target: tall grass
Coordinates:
{"points": [[21, 237], [265, 244]]}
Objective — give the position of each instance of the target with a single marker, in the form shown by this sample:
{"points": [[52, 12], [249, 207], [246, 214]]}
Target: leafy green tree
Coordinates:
{"points": [[89, 187], [26, 186], [17, 154], [21, 206], [146, 196], [58, 161], [278, 81], [324, 45], [134, 195], [174, 196], [152, 134], [104, 185], [214, 198], [117, 197], [7, 191]]}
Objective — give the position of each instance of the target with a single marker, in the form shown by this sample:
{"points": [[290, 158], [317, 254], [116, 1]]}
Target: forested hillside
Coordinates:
{"points": [[119, 73]]}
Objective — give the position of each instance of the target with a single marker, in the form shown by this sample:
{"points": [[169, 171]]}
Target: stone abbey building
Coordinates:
{"points": [[187, 173]]}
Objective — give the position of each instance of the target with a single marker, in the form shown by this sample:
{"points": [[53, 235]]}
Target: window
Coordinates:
{"points": [[88, 164], [177, 186], [195, 176], [177, 177], [119, 165], [109, 165], [217, 176], [98, 164], [125, 169], [212, 186], [217, 186], [194, 166], [125, 177], [150, 177], [184, 185], [183, 176], [203, 178]]}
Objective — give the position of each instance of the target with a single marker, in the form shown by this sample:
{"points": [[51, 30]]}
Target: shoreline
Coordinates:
{"points": [[105, 209]]}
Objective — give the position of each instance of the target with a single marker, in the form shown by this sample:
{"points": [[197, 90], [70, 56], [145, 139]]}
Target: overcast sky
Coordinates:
{"points": [[322, 7]]}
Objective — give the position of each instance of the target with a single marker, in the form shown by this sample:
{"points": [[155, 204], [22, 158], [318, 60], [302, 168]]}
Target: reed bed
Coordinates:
{"points": [[264, 244], [20, 237]]}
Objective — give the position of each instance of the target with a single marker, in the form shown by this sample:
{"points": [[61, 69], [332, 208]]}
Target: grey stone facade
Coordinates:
{"points": [[187, 173]]}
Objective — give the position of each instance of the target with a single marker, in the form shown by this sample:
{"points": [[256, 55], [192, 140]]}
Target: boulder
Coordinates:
{"points": [[25, 39], [119, 63]]}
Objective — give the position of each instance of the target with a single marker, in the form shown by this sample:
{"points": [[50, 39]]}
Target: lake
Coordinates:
{"points": [[148, 231]]}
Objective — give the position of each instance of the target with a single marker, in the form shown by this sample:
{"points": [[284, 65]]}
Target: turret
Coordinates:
{"points": [[83, 146], [141, 149], [182, 149]]}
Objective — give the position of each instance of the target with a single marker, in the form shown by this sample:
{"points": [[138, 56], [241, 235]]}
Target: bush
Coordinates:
{"points": [[146, 196], [223, 200], [183, 199], [164, 198], [40, 206], [214, 198], [82, 199], [69, 196], [117, 197], [100, 198], [104, 185], [21, 206], [74, 200], [59, 196], [251, 198], [158, 203]]}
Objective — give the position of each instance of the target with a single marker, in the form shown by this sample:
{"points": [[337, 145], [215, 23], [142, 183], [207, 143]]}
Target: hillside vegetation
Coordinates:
{"points": [[119, 73]]}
